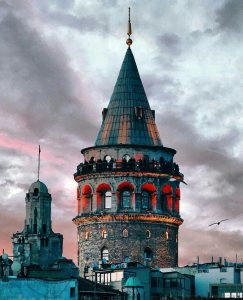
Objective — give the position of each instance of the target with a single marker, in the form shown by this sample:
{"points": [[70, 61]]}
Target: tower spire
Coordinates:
{"points": [[129, 29], [39, 162]]}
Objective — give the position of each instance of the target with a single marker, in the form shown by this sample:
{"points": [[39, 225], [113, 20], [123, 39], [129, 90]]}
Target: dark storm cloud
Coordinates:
{"points": [[210, 243], [86, 23], [171, 42], [196, 152], [42, 89], [230, 16]]}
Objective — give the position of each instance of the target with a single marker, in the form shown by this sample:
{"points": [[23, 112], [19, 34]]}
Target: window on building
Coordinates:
{"points": [[107, 200], [35, 228], [146, 200], [125, 199], [46, 242], [36, 192], [163, 202], [104, 234], [147, 254], [148, 234], [105, 254], [42, 242], [87, 235], [125, 233], [44, 228], [72, 292], [166, 235]]}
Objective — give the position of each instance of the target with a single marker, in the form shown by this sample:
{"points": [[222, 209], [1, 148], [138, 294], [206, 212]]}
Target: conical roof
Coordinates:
{"points": [[128, 118]]}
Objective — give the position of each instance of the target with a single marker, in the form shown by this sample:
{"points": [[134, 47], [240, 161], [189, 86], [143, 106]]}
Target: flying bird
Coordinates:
{"points": [[217, 223]]}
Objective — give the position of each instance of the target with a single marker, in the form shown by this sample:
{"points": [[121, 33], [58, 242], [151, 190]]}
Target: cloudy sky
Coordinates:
{"points": [[59, 61]]}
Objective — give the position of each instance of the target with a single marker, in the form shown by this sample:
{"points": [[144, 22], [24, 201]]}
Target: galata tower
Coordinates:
{"points": [[128, 191]]}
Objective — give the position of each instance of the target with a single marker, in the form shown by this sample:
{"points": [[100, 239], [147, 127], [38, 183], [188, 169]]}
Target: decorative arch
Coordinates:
{"points": [[166, 197], [103, 196], [148, 196], [125, 195], [86, 198]]}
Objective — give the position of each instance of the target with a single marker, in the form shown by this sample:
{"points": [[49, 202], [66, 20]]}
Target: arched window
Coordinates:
{"points": [[104, 234], [35, 221], [145, 200], [148, 254], [166, 235], [36, 191], [87, 235], [125, 199], [107, 199], [148, 234], [87, 199], [104, 254], [125, 233]]}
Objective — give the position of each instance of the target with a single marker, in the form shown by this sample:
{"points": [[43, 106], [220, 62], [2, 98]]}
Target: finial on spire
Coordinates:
{"points": [[39, 163], [129, 30]]}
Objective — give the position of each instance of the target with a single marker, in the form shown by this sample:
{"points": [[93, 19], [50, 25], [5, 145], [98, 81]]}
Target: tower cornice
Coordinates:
{"points": [[116, 174], [121, 146], [118, 217]]}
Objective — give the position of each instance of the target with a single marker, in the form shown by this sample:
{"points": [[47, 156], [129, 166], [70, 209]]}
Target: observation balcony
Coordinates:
{"points": [[131, 165]]}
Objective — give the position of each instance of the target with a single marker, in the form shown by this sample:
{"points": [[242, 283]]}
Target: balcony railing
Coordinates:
{"points": [[128, 166]]}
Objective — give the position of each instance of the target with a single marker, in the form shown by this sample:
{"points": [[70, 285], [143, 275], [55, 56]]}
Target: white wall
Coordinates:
{"points": [[203, 280]]}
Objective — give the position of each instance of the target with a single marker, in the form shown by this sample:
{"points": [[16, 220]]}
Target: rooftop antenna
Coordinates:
{"points": [[39, 163], [129, 29]]}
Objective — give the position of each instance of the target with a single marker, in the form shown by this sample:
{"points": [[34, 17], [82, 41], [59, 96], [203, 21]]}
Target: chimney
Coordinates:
{"points": [[220, 261], [212, 260]]}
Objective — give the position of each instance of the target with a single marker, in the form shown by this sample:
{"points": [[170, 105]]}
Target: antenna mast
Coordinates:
{"points": [[129, 29], [39, 163]]}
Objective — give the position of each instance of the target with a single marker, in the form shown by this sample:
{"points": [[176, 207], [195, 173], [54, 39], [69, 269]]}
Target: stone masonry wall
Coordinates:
{"points": [[162, 242]]}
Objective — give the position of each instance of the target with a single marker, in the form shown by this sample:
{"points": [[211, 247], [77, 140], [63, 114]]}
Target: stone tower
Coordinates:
{"points": [[37, 244], [128, 185]]}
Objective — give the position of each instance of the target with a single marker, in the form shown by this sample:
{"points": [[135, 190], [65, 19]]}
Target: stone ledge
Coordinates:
{"points": [[127, 217]]}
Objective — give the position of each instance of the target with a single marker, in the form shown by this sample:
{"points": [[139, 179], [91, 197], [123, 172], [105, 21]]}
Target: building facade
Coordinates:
{"points": [[128, 191]]}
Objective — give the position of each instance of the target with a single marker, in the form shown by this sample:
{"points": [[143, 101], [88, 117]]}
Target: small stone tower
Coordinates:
{"points": [[128, 185], [37, 244]]}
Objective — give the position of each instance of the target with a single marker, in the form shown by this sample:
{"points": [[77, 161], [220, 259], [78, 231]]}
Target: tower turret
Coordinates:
{"points": [[37, 244]]}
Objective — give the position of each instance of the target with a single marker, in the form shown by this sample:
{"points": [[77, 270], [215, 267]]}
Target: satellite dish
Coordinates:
{"points": [[16, 267], [4, 256], [20, 249]]}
